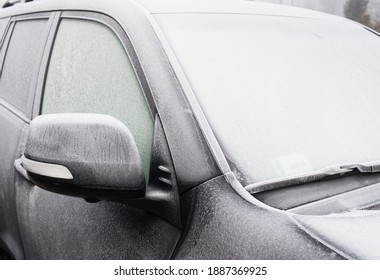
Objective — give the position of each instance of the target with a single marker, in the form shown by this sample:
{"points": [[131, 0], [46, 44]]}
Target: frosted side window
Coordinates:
{"points": [[21, 61], [90, 72]]}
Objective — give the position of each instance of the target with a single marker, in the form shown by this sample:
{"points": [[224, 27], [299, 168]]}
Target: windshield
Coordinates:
{"points": [[283, 95]]}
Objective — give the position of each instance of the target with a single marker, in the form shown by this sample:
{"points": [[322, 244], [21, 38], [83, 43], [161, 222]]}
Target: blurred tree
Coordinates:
{"points": [[366, 20], [374, 10], [356, 10]]}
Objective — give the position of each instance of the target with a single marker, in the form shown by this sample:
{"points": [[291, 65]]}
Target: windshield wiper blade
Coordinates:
{"points": [[321, 174]]}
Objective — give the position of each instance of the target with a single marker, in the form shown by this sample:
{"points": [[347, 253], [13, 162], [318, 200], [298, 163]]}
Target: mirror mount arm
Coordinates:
{"points": [[162, 196]]}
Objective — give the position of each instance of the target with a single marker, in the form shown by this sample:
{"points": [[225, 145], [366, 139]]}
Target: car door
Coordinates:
{"points": [[21, 53], [89, 70]]}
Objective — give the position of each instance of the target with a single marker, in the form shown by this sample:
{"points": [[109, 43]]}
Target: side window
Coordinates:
{"points": [[90, 72], [21, 61]]}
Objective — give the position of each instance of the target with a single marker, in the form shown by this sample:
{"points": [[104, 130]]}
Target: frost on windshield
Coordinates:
{"points": [[283, 95]]}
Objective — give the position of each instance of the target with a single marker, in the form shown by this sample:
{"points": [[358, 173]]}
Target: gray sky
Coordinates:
{"points": [[328, 6]]}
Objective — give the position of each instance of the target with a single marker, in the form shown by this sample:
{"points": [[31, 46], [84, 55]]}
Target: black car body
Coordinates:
{"points": [[193, 206]]}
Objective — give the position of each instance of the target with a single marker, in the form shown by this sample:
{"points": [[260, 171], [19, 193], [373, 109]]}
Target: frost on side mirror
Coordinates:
{"points": [[85, 155]]}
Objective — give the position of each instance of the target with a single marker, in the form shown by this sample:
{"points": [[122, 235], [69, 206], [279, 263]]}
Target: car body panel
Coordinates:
{"points": [[216, 228], [9, 228], [220, 219]]}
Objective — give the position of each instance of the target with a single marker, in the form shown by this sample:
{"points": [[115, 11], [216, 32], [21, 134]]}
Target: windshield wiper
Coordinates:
{"points": [[324, 173]]}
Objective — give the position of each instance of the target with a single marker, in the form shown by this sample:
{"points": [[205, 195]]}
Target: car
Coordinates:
{"points": [[187, 130]]}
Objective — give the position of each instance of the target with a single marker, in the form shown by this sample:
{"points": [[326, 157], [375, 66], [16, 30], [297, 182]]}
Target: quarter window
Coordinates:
{"points": [[22, 61]]}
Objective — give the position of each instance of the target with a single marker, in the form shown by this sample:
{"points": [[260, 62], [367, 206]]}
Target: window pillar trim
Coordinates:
{"points": [[47, 50]]}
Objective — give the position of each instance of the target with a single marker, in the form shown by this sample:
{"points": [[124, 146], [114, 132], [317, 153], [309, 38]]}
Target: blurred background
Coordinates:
{"points": [[366, 12]]}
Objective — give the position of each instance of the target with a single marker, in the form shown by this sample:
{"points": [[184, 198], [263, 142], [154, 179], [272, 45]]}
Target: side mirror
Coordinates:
{"points": [[85, 155]]}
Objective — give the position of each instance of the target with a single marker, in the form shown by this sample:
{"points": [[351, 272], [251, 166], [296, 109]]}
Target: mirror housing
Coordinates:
{"points": [[85, 155]]}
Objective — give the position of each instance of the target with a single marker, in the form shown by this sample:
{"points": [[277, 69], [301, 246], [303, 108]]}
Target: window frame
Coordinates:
{"points": [[2, 38]]}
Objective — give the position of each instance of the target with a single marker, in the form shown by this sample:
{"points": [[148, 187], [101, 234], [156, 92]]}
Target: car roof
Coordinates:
{"points": [[228, 6], [175, 6]]}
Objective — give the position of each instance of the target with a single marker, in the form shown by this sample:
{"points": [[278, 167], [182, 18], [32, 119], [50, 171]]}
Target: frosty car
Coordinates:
{"points": [[187, 130]]}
